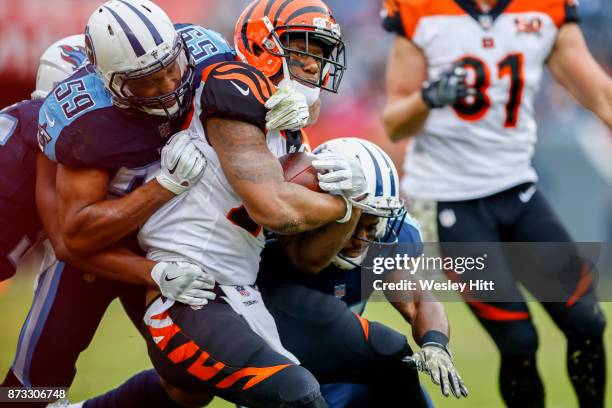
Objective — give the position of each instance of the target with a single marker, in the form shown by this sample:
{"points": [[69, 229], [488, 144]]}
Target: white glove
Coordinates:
{"points": [[436, 360], [340, 176], [287, 109], [184, 282], [182, 164]]}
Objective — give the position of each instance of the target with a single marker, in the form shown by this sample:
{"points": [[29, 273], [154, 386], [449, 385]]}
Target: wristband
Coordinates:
{"points": [[348, 213]]}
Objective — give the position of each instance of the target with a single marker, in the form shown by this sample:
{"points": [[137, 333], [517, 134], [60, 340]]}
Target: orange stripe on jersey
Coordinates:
{"points": [[183, 352], [258, 373], [306, 141], [554, 8], [411, 11], [245, 80], [206, 71], [365, 325], [583, 285], [497, 314]]}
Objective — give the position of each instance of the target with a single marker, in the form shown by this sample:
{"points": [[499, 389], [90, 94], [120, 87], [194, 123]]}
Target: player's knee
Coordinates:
{"points": [[585, 319], [517, 338], [184, 398], [299, 388]]}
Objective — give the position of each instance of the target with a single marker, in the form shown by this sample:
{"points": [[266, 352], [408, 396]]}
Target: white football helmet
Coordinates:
{"points": [[130, 40], [58, 62], [382, 198]]}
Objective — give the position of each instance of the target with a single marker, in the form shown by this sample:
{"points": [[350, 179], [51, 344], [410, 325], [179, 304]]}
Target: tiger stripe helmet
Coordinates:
{"points": [[263, 31]]}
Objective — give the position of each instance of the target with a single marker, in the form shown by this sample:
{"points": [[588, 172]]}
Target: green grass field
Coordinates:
{"points": [[118, 351]]}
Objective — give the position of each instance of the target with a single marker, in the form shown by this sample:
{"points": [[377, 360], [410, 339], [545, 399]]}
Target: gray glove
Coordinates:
{"points": [[447, 89], [436, 360], [182, 163], [184, 282]]}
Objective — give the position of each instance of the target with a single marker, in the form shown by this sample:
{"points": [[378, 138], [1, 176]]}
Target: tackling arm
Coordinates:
{"points": [[313, 251], [115, 263], [257, 176], [405, 111], [88, 221], [576, 70]]}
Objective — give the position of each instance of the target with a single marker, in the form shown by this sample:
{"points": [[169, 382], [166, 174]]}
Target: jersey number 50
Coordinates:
{"points": [[475, 106]]}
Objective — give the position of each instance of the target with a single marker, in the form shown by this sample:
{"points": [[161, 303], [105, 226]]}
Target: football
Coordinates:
{"points": [[298, 169]]}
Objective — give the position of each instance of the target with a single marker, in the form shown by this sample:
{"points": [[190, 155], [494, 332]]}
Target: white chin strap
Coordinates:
{"points": [[160, 112], [310, 93], [347, 263]]}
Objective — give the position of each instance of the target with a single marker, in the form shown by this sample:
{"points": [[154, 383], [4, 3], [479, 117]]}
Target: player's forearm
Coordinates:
{"points": [[104, 223], [428, 315], [294, 209], [119, 264], [405, 117], [313, 251]]}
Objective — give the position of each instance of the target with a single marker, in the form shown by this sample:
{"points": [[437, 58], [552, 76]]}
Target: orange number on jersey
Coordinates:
{"points": [[474, 107], [512, 65]]}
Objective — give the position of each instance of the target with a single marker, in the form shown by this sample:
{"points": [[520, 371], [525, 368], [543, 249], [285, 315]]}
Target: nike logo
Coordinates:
{"points": [[244, 91], [50, 121], [526, 195], [171, 279], [173, 169]]}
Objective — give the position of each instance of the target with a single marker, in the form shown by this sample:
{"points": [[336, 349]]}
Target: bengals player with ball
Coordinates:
{"points": [[461, 82]]}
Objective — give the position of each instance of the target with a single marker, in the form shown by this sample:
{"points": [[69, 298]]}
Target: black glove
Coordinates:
{"points": [[447, 89]]}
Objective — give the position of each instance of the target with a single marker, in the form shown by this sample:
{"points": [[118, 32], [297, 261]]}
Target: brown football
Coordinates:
{"points": [[298, 169]]}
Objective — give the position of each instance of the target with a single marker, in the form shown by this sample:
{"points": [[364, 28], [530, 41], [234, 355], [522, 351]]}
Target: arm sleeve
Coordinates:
{"points": [[571, 12], [392, 20], [237, 91]]}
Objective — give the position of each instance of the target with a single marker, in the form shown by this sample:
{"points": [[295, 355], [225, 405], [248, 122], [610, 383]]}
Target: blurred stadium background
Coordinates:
{"points": [[573, 158]]}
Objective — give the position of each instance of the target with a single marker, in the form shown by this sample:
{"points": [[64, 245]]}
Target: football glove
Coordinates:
{"points": [[182, 163], [435, 359], [343, 177], [447, 89], [287, 109], [184, 282]]}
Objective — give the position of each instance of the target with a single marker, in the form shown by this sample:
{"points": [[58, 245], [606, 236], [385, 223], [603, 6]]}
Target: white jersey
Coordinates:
{"points": [[208, 225], [485, 143]]}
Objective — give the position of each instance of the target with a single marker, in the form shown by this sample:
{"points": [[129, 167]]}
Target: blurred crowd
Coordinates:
{"points": [[565, 129]]}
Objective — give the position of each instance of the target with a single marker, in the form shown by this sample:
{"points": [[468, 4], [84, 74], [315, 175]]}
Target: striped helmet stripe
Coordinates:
{"points": [[391, 175], [379, 184], [304, 10], [136, 46], [156, 36]]}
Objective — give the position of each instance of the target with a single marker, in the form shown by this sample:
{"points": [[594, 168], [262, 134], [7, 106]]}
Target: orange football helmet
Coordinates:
{"points": [[265, 27]]}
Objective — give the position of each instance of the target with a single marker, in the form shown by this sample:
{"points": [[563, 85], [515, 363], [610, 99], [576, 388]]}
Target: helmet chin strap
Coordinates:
{"points": [[347, 263], [311, 94]]}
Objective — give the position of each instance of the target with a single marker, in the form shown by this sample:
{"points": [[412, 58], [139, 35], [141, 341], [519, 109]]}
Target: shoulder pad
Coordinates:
{"points": [[204, 45], [79, 95], [236, 90]]}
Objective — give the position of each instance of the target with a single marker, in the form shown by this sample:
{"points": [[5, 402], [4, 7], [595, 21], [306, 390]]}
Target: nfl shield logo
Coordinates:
{"points": [[242, 291], [340, 290], [165, 130]]}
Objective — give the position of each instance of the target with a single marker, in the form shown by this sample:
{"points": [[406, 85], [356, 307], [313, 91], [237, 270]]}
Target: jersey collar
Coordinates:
{"points": [[487, 19]]}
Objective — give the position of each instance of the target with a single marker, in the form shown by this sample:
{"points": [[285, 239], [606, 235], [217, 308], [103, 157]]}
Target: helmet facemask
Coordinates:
{"points": [[171, 104], [384, 240], [332, 63]]}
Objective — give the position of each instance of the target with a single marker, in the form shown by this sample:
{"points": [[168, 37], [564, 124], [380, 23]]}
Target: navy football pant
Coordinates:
{"points": [[522, 214], [338, 346], [65, 313]]}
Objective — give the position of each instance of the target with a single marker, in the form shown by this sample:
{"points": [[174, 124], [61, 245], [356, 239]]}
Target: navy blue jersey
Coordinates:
{"points": [[80, 127], [342, 283], [19, 220]]}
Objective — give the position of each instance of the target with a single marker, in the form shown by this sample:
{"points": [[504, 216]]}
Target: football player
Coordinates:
{"points": [[230, 347], [461, 82], [105, 126], [313, 282], [18, 148]]}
